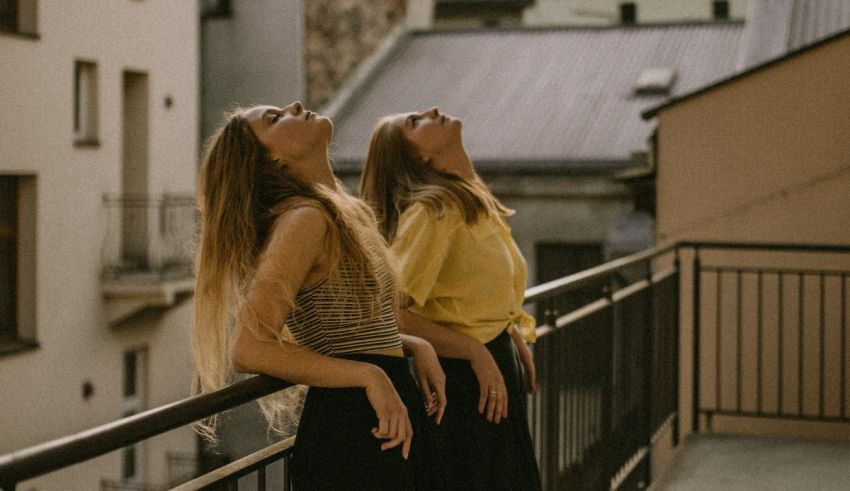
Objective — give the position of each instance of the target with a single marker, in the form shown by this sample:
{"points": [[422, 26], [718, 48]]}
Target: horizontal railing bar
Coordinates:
{"points": [[589, 276], [753, 270], [241, 467], [63, 452], [775, 246], [783, 416]]}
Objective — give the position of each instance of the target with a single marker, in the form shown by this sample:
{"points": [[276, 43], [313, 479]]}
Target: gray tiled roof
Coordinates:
{"points": [[544, 97]]}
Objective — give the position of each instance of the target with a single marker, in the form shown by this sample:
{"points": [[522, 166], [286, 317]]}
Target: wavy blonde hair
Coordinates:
{"points": [[394, 177], [240, 194]]}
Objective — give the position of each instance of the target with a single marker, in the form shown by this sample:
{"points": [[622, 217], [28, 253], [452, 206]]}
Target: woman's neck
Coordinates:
{"points": [[317, 170], [454, 160]]}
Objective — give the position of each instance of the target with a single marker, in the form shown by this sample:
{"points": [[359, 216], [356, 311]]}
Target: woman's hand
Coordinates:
{"points": [[493, 392], [527, 360], [429, 374], [393, 420]]}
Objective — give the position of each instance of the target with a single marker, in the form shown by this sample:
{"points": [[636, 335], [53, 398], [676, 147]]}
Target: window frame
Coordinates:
{"points": [[9, 237], [86, 104], [24, 19], [21, 335]]}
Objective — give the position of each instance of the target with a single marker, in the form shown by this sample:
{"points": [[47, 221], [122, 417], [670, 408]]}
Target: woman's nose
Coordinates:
{"points": [[295, 108], [434, 112]]}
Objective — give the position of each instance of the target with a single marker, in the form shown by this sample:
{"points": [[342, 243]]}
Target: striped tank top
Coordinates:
{"points": [[332, 319]]}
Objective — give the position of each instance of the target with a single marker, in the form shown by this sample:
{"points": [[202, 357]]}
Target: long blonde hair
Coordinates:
{"points": [[240, 194], [395, 176]]}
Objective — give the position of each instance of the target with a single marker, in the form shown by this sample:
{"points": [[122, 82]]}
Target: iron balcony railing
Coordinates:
{"points": [[145, 234], [608, 372]]}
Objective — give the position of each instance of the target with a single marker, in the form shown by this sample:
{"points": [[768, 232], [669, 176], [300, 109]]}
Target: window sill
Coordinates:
{"points": [[87, 143], [17, 346], [30, 36]]}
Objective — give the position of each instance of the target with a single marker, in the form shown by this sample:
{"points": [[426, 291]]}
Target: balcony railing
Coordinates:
{"points": [[609, 371], [148, 235]]}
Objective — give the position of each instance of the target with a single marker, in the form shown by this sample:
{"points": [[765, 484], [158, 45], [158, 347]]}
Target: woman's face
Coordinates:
{"points": [[430, 132], [291, 134]]}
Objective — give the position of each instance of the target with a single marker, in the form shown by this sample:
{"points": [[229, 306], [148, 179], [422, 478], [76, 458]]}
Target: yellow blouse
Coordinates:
{"points": [[470, 278]]}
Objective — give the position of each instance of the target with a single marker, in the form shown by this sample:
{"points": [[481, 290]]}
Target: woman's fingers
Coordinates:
{"points": [[441, 403], [402, 436], [496, 405], [408, 440]]}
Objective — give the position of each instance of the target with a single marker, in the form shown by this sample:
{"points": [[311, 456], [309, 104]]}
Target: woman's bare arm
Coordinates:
{"points": [[296, 247], [452, 344]]}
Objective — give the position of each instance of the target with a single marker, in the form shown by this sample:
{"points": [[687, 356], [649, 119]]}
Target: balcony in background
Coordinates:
{"points": [[148, 252]]}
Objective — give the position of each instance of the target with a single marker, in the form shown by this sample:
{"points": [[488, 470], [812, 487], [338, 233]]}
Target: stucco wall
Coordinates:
{"points": [[42, 388], [765, 158]]}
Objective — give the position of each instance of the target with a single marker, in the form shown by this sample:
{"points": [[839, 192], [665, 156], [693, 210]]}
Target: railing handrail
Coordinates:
{"points": [[43, 458], [775, 246], [592, 275], [65, 451]]}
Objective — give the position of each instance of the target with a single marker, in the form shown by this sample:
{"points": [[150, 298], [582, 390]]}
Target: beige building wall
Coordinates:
{"points": [[607, 12], [62, 305], [764, 158]]}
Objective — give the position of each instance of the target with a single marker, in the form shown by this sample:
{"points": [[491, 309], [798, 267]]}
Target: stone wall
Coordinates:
{"points": [[339, 34]]}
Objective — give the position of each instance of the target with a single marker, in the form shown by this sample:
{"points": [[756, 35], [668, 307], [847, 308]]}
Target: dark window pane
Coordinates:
{"points": [[556, 260], [8, 257], [628, 13], [128, 463], [130, 360], [721, 9], [9, 15]]}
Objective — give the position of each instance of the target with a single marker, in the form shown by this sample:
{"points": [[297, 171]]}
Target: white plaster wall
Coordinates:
{"points": [[605, 12], [41, 389]]}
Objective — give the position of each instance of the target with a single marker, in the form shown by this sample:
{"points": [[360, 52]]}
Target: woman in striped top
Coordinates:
{"points": [[298, 269]]}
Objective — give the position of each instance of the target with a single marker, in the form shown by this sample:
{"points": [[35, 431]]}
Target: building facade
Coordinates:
{"points": [[761, 157], [97, 169]]}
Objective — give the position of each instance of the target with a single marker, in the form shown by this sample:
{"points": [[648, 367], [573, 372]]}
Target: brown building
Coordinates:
{"points": [[763, 157]]}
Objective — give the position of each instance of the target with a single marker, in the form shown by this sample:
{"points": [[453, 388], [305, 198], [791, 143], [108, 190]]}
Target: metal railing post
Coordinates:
{"points": [[696, 342]]}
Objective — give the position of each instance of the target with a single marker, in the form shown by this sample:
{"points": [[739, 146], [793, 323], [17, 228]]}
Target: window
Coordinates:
{"points": [[628, 13], [17, 263], [18, 16], [134, 402], [8, 16], [8, 258], [558, 259], [216, 8], [85, 103], [720, 9]]}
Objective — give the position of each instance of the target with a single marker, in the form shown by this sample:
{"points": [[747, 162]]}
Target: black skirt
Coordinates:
{"points": [[335, 449], [479, 454]]}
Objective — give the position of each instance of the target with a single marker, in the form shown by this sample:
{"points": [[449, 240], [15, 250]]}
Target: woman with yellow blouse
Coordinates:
{"points": [[465, 280]]}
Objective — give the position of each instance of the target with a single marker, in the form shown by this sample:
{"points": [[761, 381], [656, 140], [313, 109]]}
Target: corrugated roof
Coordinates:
{"points": [[527, 96], [813, 20], [652, 112], [777, 27]]}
